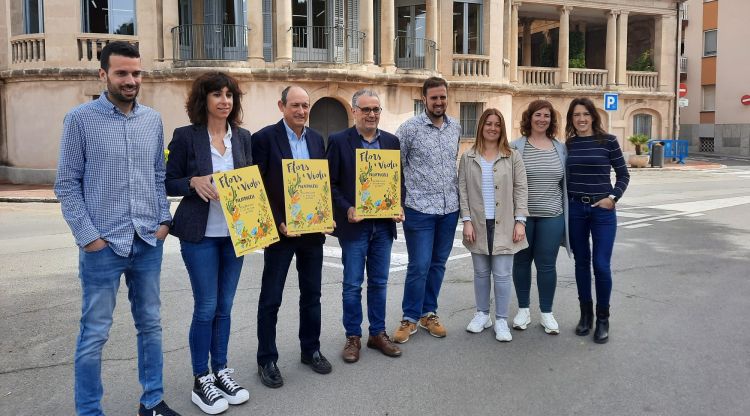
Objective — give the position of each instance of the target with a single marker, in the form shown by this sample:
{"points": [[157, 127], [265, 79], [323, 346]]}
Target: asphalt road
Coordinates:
{"points": [[679, 345]]}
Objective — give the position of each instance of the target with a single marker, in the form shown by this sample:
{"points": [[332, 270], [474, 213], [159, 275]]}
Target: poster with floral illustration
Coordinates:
{"points": [[245, 204], [378, 183], [307, 196]]}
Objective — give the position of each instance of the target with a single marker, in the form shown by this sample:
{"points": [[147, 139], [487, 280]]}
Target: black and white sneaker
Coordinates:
{"points": [[160, 409], [207, 396], [233, 392]]}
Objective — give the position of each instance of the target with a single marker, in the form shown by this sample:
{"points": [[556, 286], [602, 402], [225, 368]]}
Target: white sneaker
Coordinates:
{"points": [[480, 321], [549, 323], [522, 319], [502, 332]]}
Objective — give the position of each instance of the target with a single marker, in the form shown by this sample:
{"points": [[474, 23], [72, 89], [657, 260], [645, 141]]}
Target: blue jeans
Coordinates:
{"points": [[544, 235], [429, 240], [100, 273], [277, 257], [601, 224], [214, 272], [371, 249]]}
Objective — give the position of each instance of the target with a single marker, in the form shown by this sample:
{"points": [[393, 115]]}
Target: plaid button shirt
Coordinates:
{"points": [[110, 175], [428, 157]]}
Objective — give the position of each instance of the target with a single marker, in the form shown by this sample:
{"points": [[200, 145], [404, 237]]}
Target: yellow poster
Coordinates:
{"points": [[378, 183], [246, 209], [308, 196]]}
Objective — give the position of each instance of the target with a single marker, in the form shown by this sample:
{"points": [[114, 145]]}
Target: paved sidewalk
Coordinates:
{"points": [[44, 193]]}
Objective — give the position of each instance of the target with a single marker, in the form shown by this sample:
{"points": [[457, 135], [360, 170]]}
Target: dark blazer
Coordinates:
{"points": [[270, 145], [190, 155], [343, 167]]}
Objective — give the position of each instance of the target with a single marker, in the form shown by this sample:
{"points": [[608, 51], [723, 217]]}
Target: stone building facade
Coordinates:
{"points": [[494, 53]]}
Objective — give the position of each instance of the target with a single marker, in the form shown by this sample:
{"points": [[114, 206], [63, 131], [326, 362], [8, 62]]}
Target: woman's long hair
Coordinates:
{"points": [[596, 120], [479, 141], [535, 106], [196, 105]]}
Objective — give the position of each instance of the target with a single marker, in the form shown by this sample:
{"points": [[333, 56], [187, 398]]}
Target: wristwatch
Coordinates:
{"points": [[521, 222], [614, 198]]}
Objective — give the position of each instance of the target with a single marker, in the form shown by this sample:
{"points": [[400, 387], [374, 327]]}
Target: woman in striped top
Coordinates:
{"points": [[544, 160], [592, 154], [492, 197]]}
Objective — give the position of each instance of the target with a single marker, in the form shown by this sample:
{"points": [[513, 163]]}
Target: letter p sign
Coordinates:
{"points": [[610, 101]]}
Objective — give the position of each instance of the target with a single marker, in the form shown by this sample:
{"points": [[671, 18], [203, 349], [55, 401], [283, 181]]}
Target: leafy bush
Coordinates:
{"points": [[640, 142]]}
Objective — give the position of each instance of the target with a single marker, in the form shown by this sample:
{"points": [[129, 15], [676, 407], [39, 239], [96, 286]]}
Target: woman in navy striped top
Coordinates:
{"points": [[592, 155]]}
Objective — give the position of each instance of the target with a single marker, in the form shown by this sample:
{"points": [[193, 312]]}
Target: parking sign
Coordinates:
{"points": [[610, 101]]}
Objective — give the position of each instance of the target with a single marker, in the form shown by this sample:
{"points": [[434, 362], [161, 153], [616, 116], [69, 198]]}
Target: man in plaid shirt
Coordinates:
{"points": [[110, 183]]}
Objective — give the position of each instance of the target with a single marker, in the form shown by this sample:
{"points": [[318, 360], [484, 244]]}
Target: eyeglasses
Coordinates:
{"points": [[368, 110]]}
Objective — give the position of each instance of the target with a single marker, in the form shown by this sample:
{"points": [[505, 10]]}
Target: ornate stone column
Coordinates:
{"points": [[255, 33], [506, 34], [563, 48], [283, 31], [367, 25], [514, 41], [611, 60], [527, 42], [622, 48], [387, 34]]}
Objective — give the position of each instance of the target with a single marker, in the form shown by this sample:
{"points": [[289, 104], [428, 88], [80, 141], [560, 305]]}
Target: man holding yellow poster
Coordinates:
{"points": [[365, 242], [289, 139]]}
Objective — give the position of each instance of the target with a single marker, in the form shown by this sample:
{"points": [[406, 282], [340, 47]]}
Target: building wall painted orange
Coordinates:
{"points": [[708, 70], [711, 15]]}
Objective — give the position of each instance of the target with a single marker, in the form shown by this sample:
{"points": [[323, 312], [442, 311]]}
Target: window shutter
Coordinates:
{"points": [[267, 31]]}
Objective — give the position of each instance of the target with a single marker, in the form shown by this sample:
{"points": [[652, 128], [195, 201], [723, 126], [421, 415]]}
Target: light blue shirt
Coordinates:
{"points": [[216, 226], [374, 144], [298, 145], [110, 174]]}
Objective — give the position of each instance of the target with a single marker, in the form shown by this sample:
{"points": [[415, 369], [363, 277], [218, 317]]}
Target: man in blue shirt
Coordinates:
{"points": [[365, 243], [110, 183], [288, 139]]}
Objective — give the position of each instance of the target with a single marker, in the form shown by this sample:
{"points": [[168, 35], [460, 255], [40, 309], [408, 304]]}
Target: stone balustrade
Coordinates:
{"points": [[538, 77], [27, 48], [90, 45], [471, 65], [641, 80], [585, 78]]}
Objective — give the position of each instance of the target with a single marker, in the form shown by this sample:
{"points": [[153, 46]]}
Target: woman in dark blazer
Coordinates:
{"points": [[212, 143]]}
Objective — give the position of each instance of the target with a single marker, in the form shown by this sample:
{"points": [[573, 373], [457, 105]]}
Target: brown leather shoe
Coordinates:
{"points": [[350, 354], [384, 344]]}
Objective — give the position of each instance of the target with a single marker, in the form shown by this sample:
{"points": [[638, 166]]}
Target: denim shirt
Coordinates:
{"points": [[110, 174], [298, 145]]}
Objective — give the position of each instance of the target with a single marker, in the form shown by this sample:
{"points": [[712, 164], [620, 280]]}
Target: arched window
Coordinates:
{"points": [[642, 124]]}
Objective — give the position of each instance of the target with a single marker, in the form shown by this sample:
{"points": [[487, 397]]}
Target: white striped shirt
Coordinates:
{"points": [[544, 174]]}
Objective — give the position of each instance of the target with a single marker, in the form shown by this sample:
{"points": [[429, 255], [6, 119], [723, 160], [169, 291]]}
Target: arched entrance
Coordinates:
{"points": [[328, 116]]}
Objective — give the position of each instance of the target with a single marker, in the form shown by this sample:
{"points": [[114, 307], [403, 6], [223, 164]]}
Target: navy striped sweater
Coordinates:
{"points": [[589, 163]]}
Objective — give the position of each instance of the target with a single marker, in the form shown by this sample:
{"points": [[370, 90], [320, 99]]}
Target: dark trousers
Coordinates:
{"points": [[276, 260]]}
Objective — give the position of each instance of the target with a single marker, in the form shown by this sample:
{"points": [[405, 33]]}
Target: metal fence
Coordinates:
{"points": [[210, 42], [415, 53], [331, 44]]}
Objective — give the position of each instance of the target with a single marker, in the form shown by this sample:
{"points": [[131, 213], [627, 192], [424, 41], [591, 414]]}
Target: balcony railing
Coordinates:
{"points": [[643, 80], [90, 45], [538, 77], [209, 42], [471, 66], [588, 78], [683, 64], [683, 12], [27, 48], [328, 44], [416, 53]]}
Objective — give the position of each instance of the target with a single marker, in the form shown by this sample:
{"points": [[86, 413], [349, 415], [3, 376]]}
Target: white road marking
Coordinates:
{"points": [[697, 214], [669, 219], [643, 224], [626, 214]]}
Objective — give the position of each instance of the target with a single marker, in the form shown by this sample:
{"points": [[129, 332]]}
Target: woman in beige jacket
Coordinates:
{"points": [[493, 195]]}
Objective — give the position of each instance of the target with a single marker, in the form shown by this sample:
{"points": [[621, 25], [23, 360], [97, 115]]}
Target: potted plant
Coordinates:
{"points": [[640, 158]]}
